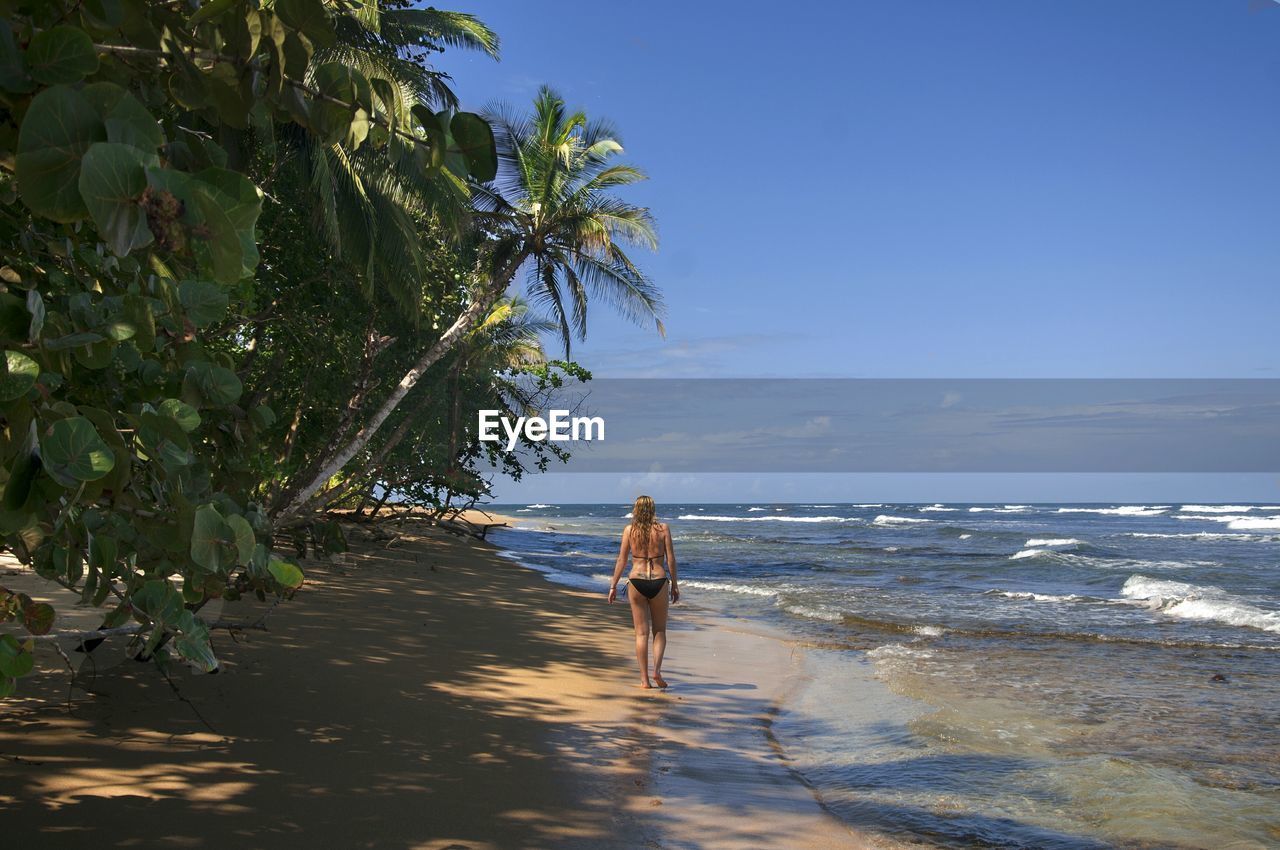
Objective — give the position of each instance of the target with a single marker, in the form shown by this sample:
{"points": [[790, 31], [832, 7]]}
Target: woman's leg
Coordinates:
{"points": [[658, 614], [640, 618]]}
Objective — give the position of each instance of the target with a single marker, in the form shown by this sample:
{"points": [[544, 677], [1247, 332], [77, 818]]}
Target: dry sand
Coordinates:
{"points": [[430, 694]]}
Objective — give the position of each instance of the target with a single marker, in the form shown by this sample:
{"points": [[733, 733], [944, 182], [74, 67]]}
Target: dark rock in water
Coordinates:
{"points": [[1218, 677]]}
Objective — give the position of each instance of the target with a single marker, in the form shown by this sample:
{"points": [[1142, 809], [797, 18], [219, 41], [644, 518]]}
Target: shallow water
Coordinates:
{"points": [[1000, 675]]}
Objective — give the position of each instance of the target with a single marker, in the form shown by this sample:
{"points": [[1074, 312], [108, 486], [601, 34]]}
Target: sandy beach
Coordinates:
{"points": [[426, 694]]}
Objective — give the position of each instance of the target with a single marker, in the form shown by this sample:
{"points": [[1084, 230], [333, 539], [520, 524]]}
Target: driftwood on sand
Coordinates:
{"points": [[469, 523]]}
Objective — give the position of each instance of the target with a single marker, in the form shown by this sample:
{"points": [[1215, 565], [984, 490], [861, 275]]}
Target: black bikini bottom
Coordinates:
{"points": [[649, 587]]}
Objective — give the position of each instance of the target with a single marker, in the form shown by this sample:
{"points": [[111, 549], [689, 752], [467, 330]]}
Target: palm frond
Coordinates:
{"points": [[452, 29]]}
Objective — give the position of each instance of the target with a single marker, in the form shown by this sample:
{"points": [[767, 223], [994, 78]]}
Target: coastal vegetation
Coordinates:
{"points": [[256, 267]]}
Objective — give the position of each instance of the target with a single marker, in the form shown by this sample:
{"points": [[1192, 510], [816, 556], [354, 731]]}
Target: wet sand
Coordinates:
{"points": [[426, 694]]}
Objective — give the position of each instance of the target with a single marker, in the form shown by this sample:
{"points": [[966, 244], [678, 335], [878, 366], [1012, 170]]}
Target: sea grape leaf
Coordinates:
{"points": [[221, 208], [73, 452], [204, 302], [15, 661], [159, 600], [244, 538], [335, 122], [288, 575], [210, 386], [310, 17], [35, 306], [19, 376], [187, 417], [211, 10], [120, 331], [126, 120], [193, 644], [212, 540], [95, 355], [38, 617], [262, 417], [112, 179], [241, 200], [61, 54], [58, 129], [473, 139]]}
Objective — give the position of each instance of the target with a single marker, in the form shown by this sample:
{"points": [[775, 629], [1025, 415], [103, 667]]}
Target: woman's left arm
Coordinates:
{"points": [[671, 566]]}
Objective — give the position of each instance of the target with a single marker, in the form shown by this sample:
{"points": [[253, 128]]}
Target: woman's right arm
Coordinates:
{"points": [[621, 563], [671, 566]]}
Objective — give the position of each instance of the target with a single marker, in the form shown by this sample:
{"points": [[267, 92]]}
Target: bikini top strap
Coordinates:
{"points": [[648, 559]]}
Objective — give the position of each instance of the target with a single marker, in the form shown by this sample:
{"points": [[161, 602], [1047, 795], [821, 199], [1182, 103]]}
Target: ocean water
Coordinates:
{"points": [[985, 675]]}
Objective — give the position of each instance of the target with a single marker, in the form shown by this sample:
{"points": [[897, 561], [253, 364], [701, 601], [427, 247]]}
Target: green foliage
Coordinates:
{"points": [[135, 136], [228, 228], [557, 208]]}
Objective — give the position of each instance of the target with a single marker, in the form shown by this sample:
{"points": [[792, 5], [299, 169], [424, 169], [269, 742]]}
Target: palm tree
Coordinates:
{"points": [[550, 212], [507, 340], [369, 203], [552, 204]]}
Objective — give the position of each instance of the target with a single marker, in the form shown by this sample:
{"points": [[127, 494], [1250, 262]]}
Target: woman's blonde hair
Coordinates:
{"points": [[643, 516]]}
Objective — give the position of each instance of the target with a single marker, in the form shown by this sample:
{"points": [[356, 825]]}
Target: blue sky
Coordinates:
{"points": [[930, 189]]}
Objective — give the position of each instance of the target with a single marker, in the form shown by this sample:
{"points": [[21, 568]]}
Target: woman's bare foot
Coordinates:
{"points": [[645, 684], [658, 680]]}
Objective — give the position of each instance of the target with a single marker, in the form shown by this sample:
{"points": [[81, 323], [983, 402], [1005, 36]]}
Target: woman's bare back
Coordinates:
{"points": [[654, 551]]}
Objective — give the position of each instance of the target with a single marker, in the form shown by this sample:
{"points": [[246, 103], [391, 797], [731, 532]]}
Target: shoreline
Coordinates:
{"points": [[427, 695]]}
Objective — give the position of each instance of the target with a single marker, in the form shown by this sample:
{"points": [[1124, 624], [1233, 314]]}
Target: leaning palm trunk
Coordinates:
{"points": [[552, 206], [463, 325]]}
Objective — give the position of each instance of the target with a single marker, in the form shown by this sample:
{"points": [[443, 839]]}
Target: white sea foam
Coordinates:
{"points": [[1193, 602], [824, 506], [1037, 597], [877, 505], [897, 651], [928, 631], [539, 505], [938, 509], [1090, 562], [886, 519], [1219, 509], [1123, 510], [714, 518], [1007, 509], [814, 613], [1238, 522], [965, 536], [1052, 541], [1223, 518], [1255, 522], [757, 509], [891, 548], [729, 587], [1211, 535]]}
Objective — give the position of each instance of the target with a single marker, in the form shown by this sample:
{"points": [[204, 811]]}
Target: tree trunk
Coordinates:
{"points": [[378, 461], [465, 322], [373, 346], [455, 408]]}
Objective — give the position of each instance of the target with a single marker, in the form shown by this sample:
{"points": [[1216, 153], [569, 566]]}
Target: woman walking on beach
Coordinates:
{"points": [[653, 562]]}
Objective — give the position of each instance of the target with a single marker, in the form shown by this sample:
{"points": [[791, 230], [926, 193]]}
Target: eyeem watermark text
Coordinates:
{"points": [[558, 427]]}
